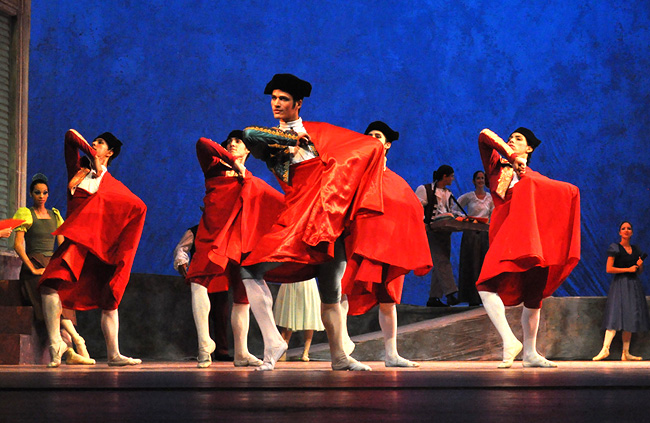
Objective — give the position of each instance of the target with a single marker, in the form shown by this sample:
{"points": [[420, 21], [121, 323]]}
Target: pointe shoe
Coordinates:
{"points": [[348, 363], [122, 361], [272, 355], [205, 355], [56, 352], [538, 361], [400, 362], [604, 353], [249, 361], [509, 355], [626, 356], [72, 357], [80, 346], [305, 356]]}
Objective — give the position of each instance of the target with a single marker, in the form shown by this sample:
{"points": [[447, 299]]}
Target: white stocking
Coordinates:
{"points": [[388, 324], [52, 314], [348, 344], [261, 302], [496, 311], [530, 325], [240, 319], [201, 311]]}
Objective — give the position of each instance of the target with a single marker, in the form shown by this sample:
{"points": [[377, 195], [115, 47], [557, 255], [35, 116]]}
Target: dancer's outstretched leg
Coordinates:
{"points": [[530, 325], [261, 302], [111, 326], [388, 324], [496, 311], [201, 313], [240, 320]]}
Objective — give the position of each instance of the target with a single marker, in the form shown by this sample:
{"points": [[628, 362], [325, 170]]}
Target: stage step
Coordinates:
{"points": [[22, 340]]}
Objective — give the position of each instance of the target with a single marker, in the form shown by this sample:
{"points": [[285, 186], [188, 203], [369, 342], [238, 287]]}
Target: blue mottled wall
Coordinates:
{"points": [[159, 74]]}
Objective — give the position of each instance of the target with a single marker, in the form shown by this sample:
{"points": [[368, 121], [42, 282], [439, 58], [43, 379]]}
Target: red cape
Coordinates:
{"points": [[382, 249], [102, 233], [538, 224], [237, 214], [340, 185]]}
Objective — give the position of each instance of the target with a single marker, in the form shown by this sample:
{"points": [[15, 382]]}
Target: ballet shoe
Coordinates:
{"points": [[304, 357], [538, 361], [250, 360], [56, 353], [80, 346], [626, 356], [604, 353], [509, 355], [348, 363], [400, 362], [205, 355], [72, 357], [122, 361], [272, 355], [348, 346]]}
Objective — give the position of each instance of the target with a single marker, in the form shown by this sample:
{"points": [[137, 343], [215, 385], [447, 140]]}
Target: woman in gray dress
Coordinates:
{"points": [[626, 308]]}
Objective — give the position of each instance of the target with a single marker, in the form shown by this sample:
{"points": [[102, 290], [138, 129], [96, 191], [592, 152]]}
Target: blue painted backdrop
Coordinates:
{"points": [[159, 74]]}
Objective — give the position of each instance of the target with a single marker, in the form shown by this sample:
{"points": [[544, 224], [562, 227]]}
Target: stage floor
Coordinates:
{"points": [[295, 392]]}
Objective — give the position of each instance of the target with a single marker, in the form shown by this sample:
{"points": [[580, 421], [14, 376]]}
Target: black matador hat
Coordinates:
{"points": [[289, 83]]}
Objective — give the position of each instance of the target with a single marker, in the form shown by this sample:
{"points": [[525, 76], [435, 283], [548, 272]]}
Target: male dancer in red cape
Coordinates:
{"points": [[534, 240], [330, 176], [382, 249], [102, 230], [238, 209]]}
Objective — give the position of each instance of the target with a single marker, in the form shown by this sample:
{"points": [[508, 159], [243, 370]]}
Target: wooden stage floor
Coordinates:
{"points": [[441, 391]]}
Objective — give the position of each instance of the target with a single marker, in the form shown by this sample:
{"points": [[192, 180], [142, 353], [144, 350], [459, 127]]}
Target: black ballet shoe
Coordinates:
{"points": [[452, 299], [435, 302]]}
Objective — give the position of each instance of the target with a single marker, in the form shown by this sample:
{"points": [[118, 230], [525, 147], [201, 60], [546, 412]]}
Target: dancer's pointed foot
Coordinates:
{"points": [[537, 360], [121, 361], [205, 355], [305, 356], [248, 360], [72, 357], [56, 352], [626, 356], [272, 355], [604, 353], [80, 346], [346, 362], [400, 362], [510, 352]]}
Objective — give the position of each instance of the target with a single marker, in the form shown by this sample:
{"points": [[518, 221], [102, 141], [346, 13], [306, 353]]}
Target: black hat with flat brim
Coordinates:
{"points": [[289, 83], [531, 139], [237, 133], [113, 143], [380, 126]]}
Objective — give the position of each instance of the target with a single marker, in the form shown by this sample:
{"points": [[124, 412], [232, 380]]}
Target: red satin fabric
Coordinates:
{"points": [[237, 213], [382, 249], [343, 183], [102, 233], [538, 225]]}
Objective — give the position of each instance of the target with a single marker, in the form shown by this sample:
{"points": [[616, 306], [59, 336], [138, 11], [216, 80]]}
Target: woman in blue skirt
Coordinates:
{"points": [[626, 308]]}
